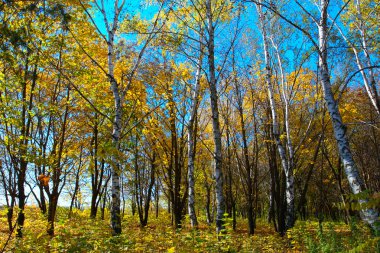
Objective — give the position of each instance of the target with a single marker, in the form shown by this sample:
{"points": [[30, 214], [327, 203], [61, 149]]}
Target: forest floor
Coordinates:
{"points": [[81, 234]]}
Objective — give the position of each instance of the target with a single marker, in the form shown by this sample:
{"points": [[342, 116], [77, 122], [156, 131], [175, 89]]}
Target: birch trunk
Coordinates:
{"points": [[95, 174], [230, 199], [117, 121], [370, 216], [290, 216], [191, 144], [374, 97], [369, 82], [218, 174], [115, 173]]}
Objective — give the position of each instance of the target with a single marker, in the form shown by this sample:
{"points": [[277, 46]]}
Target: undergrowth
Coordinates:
{"points": [[82, 234]]}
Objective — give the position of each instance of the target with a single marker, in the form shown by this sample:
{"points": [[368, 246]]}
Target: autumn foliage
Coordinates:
{"points": [[175, 119]]}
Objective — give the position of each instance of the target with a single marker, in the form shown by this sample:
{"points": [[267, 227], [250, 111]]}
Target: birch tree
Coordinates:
{"points": [[369, 215], [192, 134], [365, 66], [286, 164], [212, 81], [202, 18], [119, 90], [111, 29]]}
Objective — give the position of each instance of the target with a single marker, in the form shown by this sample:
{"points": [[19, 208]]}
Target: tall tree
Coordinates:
{"points": [[212, 81], [369, 215], [119, 86], [192, 134], [355, 17], [286, 165]]}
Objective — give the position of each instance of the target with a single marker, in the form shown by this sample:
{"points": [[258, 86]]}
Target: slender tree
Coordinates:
{"points": [[287, 167], [192, 133], [369, 215]]}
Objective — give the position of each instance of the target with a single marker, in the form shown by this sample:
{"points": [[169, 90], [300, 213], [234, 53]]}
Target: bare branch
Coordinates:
{"points": [[274, 10], [307, 12], [92, 20], [352, 76], [151, 36]]}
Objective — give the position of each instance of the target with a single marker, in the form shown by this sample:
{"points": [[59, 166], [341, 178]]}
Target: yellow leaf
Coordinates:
{"points": [[171, 250]]}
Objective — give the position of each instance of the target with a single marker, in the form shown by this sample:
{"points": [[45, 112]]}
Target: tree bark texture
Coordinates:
{"points": [[192, 144], [290, 214], [368, 215], [218, 160]]}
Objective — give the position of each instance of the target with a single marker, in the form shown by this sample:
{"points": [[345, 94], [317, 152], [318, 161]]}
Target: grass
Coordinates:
{"points": [[81, 234]]}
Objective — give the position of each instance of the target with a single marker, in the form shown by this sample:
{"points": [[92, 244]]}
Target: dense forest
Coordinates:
{"points": [[211, 124]]}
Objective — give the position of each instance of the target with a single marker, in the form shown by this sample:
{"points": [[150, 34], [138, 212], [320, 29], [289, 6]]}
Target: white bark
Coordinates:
{"points": [[368, 215], [191, 145], [288, 168], [116, 125], [218, 174], [369, 81], [290, 218], [116, 168], [119, 93]]}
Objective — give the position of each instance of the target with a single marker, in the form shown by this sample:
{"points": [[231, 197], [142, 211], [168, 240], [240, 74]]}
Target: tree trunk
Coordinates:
{"points": [[150, 190], [96, 175], [76, 187], [290, 216], [53, 202], [116, 168], [21, 199], [248, 169], [25, 133], [103, 207], [209, 216], [10, 216], [371, 88], [218, 174], [302, 202], [192, 143], [157, 197], [368, 81], [57, 169], [230, 199], [370, 215], [42, 200], [117, 120], [277, 210]]}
